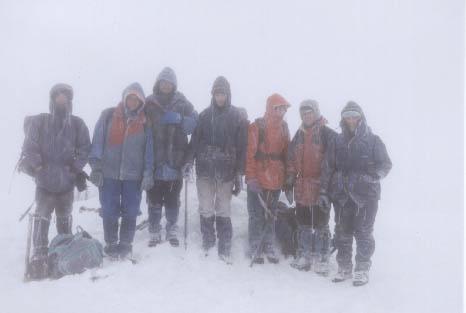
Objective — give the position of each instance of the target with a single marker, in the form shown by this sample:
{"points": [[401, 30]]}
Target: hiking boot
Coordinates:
{"points": [[172, 233], [321, 268], [259, 260], [271, 256], [38, 267], [125, 250], [342, 275], [155, 239], [226, 258], [360, 278], [301, 263], [112, 250]]}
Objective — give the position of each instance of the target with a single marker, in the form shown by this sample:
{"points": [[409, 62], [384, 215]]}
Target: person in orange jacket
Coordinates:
{"points": [[268, 139]]}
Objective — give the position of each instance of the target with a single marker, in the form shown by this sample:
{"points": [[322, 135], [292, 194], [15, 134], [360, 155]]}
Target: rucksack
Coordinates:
{"points": [[286, 227], [260, 155], [73, 254]]}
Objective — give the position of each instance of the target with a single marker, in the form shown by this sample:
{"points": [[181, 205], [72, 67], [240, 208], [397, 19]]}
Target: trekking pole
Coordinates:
{"points": [[27, 211], [270, 220], [28, 248], [186, 213]]}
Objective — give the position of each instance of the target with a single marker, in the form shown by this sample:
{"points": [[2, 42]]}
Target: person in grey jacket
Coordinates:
{"points": [[54, 152], [122, 164]]}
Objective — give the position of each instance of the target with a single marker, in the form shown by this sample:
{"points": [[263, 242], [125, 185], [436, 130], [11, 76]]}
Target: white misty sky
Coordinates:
{"points": [[403, 61]]}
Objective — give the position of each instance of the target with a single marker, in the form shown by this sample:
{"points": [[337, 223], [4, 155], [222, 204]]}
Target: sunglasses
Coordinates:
{"points": [[281, 108]]}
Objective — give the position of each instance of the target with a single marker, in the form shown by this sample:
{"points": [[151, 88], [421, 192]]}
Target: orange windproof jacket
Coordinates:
{"points": [[266, 157]]}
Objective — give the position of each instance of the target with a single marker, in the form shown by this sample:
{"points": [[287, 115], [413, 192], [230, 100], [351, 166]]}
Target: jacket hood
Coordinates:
{"points": [[61, 88], [167, 74], [134, 89], [274, 101], [221, 84], [352, 106]]}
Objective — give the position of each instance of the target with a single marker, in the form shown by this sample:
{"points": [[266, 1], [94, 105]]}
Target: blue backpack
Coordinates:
{"points": [[73, 254]]}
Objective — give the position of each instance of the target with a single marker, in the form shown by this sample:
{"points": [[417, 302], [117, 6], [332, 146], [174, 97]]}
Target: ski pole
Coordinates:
{"points": [[186, 213], [28, 248], [27, 211]]}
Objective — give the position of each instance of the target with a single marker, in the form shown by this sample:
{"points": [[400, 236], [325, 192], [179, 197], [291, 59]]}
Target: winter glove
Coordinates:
{"points": [[81, 178], [97, 178], [324, 203], [254, 185], [186, 170], [171, 118], [237, 185]]}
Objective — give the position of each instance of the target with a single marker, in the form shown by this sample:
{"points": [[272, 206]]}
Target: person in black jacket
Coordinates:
{"points": [[355, 162], [172, 118], [218, 146]]}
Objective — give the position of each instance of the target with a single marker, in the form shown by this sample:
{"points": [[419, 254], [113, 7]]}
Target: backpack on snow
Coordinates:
{"points": [[73, 254]]}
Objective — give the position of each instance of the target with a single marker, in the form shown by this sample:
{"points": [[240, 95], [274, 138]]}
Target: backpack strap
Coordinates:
{"points": [[261, 155]]}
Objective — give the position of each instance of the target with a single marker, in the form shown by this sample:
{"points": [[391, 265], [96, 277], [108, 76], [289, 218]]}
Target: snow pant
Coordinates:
{"points": [[313, 232], [46, 203], [258, 221], [355, 221], [164, 194], [120, 199], [215, 205]]}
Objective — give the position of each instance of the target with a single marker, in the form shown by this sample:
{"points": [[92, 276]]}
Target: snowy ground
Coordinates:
{"points": [[411, 266]]}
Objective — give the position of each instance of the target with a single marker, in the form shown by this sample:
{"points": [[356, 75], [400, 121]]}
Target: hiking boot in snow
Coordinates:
{"points": [[112, 250], [321, 268], [360, 278], [259, 260], [301, 263], [38, 267], [272, 256], [208, 233], [342, 275], [155, 239], [226, 258], [172, 233], [125, 250]]}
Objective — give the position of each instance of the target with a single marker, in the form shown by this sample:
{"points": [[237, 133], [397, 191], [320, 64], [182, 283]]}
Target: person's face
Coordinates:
{"points": [[61, 100], [279, 111], [220, 99], [308, 118], [352, 122], [132, 102], [166, 87]]}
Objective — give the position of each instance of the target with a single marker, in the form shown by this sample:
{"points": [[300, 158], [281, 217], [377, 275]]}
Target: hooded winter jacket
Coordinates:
{"points": [[122, 145], [56, 145], [266, 157], [172, 118], [219, 140], [305, 156], [355, 163]]}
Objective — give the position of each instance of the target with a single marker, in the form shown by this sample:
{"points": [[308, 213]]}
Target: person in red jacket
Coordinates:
{"points": [[268, 139], [305, 156]]}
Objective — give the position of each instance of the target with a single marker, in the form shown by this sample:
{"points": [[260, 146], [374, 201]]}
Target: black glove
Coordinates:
{"points": [[81, 183], [237, 185], [97, 178], [324, 203]]}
